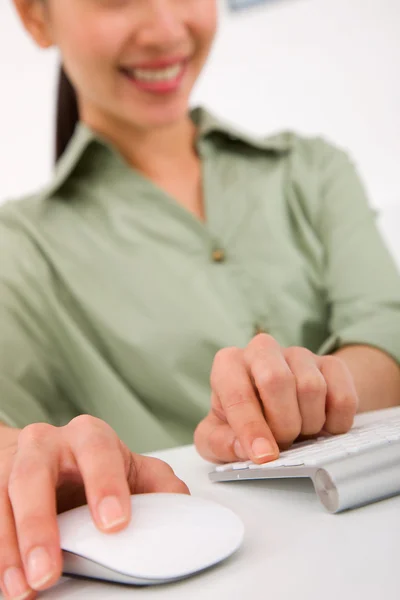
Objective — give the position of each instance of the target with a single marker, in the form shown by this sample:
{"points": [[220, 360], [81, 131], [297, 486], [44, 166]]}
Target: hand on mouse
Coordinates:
{"points": [[45, 470], [264, 397]]}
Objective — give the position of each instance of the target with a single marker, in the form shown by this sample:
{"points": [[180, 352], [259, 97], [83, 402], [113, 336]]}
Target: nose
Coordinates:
{"points": [[163, 24]]}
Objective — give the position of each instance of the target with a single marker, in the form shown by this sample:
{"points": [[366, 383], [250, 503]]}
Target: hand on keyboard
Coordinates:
{"points": [[264, 397]]}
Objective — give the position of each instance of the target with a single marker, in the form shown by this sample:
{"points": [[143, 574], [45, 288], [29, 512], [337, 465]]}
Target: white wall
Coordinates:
{"points": [[317, 66]]}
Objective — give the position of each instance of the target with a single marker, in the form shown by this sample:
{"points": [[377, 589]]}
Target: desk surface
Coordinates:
{"points": [[293, 549]]}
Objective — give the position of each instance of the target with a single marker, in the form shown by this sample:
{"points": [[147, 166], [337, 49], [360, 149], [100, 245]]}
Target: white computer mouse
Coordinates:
{"points": [[170, 537]]}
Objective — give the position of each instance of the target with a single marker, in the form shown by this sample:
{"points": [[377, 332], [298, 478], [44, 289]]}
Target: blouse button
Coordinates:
{"points": [[258, 330], [218, 255]]}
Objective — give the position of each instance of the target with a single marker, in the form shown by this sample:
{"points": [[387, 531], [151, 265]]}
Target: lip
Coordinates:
{"points": [[162, 63]]}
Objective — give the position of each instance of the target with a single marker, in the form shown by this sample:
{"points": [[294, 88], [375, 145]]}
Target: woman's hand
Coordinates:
{"points": [[47, 470], [264, 397]]}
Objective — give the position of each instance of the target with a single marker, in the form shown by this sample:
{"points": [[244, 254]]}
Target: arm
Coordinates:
{"points": [[361, 281], [29, 391], [376, 376]]}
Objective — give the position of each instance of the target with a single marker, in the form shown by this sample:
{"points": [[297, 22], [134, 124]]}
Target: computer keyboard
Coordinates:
{"points": [[348, 470]]}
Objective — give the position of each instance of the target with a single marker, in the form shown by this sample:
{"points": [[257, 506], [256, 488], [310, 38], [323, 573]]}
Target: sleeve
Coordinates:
{"points": [[361, 279], [28, 371]]}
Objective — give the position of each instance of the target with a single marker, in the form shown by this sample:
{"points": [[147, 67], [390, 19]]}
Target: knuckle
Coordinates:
{"points": [[238, 399], [273, 379], [344, 403], [35, 433], [91, 434], [260, 344], [85, 423], [287, 429], [333, 361], [222, 360], [297, 353], [225, 356], [264, 338], [312, 385], [94, 445], [19, 472], [22, 471], [36, 528], [251, 430]]}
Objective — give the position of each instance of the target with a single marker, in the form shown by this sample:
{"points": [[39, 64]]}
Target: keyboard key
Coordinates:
{"points": [[239, 466], [293, 462], [270, 465]]}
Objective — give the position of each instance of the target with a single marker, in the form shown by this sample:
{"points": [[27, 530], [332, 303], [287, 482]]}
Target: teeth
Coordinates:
{"points": [[167, 74]]}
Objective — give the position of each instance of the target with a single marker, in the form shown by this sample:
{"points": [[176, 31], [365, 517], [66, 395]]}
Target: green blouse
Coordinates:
{"points": [[114, 299]]}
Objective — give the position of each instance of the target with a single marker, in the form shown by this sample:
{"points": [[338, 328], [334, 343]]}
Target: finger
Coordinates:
{"points": [[276, 387], [341, 400], [231, 384], [35, 468], [12, 576], [150, 475], [311, 389], [97, 451], [215, 440]]}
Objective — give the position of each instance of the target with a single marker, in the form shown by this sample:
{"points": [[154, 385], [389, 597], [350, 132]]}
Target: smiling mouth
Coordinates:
{"points": [[159, 78], [160, 75]]}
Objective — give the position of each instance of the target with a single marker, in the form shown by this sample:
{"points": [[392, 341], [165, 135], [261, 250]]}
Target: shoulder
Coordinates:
{"points": [[315, 154], [22, 258], [19, 215], [320, 173]]}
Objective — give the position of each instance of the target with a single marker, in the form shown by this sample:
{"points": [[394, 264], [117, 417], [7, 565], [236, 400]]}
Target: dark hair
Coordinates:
{"points": [[67, 115]]}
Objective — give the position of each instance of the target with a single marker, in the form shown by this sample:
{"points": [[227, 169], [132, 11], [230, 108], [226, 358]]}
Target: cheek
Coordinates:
{"points": [[89, 48], [205, 26]]}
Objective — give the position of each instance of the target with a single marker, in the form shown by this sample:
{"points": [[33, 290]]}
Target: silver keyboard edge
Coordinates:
{"points": [[347, 483]]}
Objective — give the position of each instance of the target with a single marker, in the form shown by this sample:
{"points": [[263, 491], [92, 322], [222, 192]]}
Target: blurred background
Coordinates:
{"points": [[326, 67]]}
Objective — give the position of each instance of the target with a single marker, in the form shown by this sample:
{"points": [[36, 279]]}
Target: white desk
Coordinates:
{"points": [[293, 549]]}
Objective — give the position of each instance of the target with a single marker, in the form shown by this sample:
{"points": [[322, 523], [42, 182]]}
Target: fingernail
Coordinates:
{"points": [[39, 567], [240, 453], [110, 512], [262, 448], [15, 584]]}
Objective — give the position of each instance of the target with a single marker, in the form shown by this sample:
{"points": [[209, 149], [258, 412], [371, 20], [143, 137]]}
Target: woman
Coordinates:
{"points": [[166, 247]]}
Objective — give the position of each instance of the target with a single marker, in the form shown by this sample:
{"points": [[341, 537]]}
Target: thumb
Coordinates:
{"points": [[146, 475], [216, 442]]}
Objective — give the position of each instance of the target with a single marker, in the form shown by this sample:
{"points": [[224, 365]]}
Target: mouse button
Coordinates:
{"points": [[163, 541], [74, 525], [185, 546]]}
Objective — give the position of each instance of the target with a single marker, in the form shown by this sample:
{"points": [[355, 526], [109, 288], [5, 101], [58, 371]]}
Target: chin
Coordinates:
{"points": [[159, 117]]}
